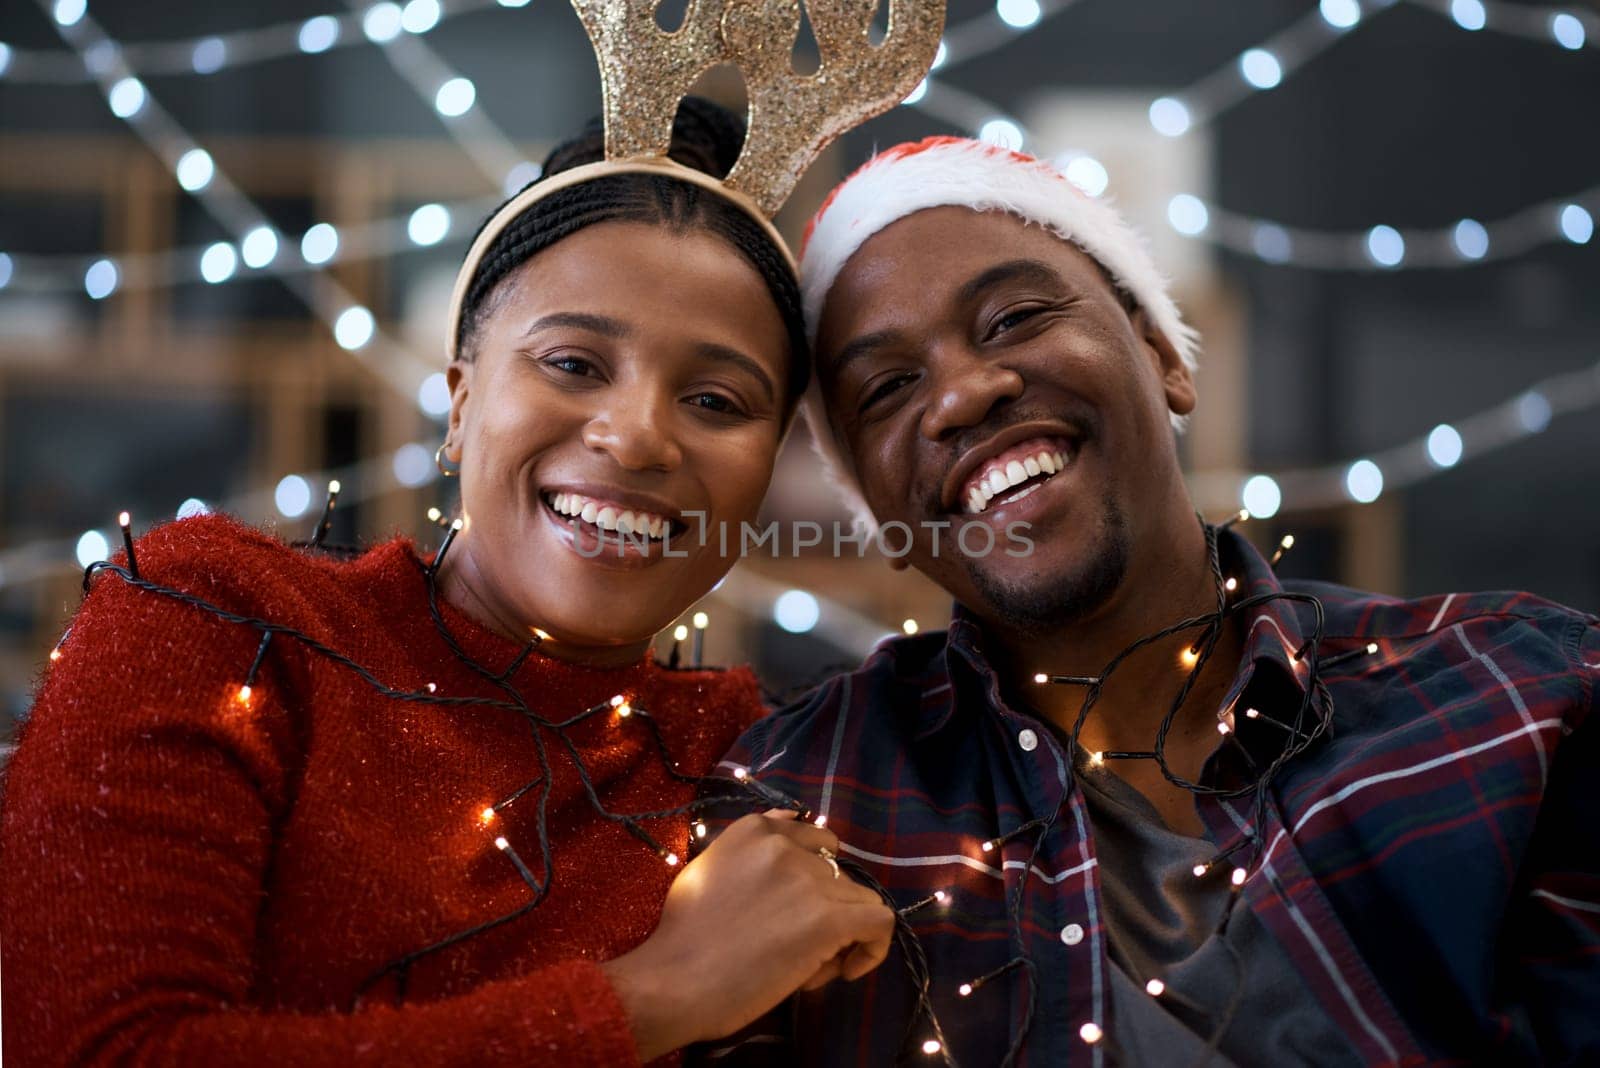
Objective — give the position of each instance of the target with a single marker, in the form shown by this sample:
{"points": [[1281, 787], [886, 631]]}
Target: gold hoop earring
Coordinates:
{"points": [[438, 461]]}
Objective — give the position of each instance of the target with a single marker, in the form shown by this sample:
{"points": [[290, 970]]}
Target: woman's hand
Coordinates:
{"points": [[754, 918]]}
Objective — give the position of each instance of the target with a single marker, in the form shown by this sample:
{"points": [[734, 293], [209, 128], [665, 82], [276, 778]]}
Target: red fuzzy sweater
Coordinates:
{"points": [[188, 880]]}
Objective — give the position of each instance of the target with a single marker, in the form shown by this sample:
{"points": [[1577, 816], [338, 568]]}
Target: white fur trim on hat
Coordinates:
{"points": [[951, 171]]}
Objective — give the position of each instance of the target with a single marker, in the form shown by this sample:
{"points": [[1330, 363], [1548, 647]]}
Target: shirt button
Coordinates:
{"points": [[1028, 740], [1072, 934]]}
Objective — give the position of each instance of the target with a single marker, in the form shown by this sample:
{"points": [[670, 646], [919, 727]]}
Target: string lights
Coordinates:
{"points": [[549, 734], [1264, 67], [222, 200], [375, 24], [396, 31]]}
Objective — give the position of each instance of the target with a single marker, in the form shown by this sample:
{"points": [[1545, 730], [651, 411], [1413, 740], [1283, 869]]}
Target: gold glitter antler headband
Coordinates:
{"points": [[645, 71]]}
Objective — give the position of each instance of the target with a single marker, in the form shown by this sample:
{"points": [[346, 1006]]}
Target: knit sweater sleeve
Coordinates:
{"points": [[137, 830]]}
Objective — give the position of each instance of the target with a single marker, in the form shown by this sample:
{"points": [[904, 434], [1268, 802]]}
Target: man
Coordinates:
{"points": [[1311, 826]]}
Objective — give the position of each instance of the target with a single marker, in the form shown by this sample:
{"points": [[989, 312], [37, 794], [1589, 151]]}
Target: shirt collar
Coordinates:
{"points": [[1273, 637]]}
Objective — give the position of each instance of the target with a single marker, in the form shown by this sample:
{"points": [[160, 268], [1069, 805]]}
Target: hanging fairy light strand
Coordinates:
{"points": [[352, 324], [1364, 479], [1382, 247], [1464, 243], [264, 253], [371, 24], [453, 97]]}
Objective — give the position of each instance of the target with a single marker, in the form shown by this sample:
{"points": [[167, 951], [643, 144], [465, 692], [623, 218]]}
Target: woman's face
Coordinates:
{"points": [[625, 377]]}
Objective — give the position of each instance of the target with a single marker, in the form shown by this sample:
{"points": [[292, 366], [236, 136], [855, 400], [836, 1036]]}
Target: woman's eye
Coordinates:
{"points": [[572, 365], [714, 402]]}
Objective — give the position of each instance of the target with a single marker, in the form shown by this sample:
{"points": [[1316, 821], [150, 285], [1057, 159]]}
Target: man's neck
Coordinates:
{"points": [[1169, 584]]}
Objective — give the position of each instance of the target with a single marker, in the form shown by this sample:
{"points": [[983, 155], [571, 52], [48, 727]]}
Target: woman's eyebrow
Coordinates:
{"points": [[598, 324], [723, 354]]}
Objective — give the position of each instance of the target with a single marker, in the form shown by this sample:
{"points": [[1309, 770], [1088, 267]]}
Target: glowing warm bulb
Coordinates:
{"points": [[940, 896], [671, 859], [1200, 870], [699, 830], [55, 654], [1287, 542], [965, 990], [487, 815], [1090, 1032], [501, 843], [821, 821], [1189, 657], [620, 703], [1244, 513], [434, 515], [244, 693], [1372, 647], [701, 621], [333, 486], [433, 687], [1222, 727], [1231, 585], [1239, 876], [909, 626], [457, 524], [1155, 988], [988, 847], [740, 774], [680, 633], [1251, 713], [1097, 759], [931, 1046], [1041, 678], [123, 519]]}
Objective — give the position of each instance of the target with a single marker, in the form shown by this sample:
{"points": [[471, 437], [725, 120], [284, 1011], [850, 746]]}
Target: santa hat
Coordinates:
{"points": [[946, 171]]}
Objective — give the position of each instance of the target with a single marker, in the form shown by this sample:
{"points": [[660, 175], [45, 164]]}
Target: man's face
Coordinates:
{"points": [[963, 355]]}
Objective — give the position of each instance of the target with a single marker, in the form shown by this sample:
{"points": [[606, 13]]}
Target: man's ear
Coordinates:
{"points": [[459, 377], [1176, 379]]}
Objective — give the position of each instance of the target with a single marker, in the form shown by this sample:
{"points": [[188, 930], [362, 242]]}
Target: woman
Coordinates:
{"points": [[223, 842]]}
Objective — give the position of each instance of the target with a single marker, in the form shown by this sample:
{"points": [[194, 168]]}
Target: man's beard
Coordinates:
{"points": [[1040, 603]]}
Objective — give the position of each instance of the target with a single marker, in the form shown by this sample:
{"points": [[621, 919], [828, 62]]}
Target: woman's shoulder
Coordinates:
{"points": [[244, 570]]}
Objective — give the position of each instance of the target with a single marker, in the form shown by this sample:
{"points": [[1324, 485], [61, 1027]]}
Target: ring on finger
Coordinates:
{"points": [[831, 857]]}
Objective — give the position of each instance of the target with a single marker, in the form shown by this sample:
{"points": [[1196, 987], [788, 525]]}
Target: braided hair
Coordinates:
{"points": [[706, 137]]}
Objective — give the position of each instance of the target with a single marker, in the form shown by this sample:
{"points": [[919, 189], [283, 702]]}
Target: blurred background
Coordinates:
{"points": [[228, 234]]}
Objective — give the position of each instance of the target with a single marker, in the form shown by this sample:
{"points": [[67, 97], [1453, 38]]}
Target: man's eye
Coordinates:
{"points": [[883, 389], [1013, 319]]}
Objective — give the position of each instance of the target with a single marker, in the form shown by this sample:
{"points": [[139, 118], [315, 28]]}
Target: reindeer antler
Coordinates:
{"points": [[794, 117], [646, 71]]}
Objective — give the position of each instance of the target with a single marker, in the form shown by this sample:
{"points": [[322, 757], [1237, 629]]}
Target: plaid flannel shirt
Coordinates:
{"points": [[1431, 866]]}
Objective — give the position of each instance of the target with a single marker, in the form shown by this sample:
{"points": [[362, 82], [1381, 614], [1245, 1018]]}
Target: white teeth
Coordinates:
{"points": [[997, 480], [609, 517]]}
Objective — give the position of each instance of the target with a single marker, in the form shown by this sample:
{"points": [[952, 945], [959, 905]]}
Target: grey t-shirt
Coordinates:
{"points": [[1162, 924]]}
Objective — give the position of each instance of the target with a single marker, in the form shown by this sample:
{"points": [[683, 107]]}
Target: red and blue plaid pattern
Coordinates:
{"points": [[1431, 866]]}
